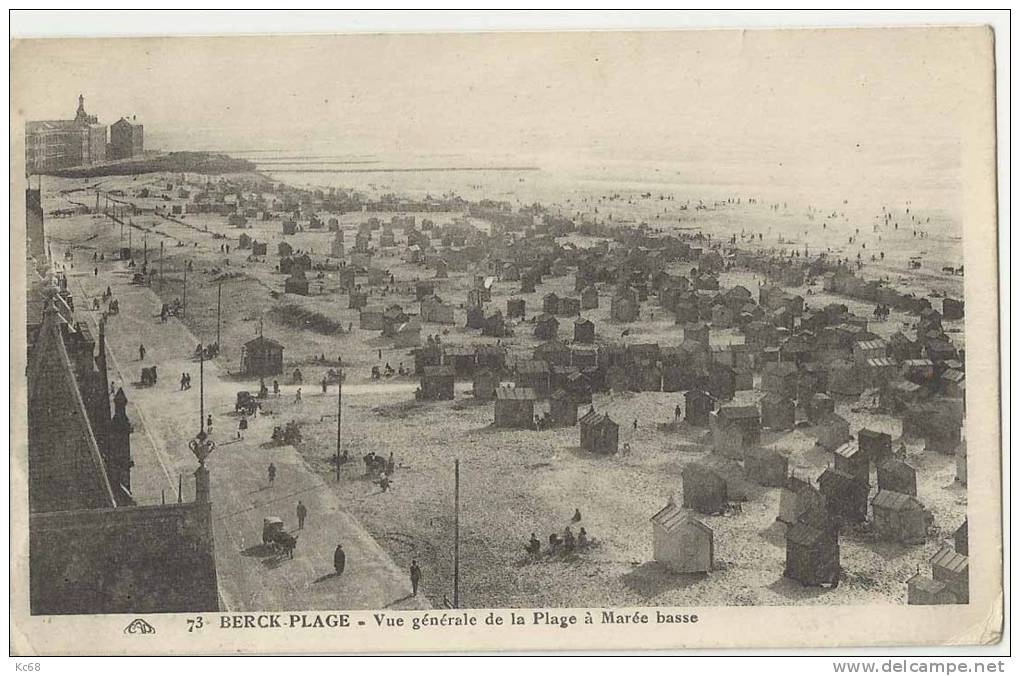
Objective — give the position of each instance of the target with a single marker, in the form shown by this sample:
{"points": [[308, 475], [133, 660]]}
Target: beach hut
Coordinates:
{"points": [[735, 429], [259, 248], [953, 569], [680, 542], [393, 317], [289, 227], [428, 355], [461, 357], [495, 326], [579, 385], [515, 408], [535, 375], [491, 357], [371, 318], [475, 317], [283, 250], [812, 555], [515, 308], [925, 591], [358, 300], [896, 475], [553, 352], [262, 357], [704, 489], [697, 332], [850, 458], [780, 378], [799, 501], [434, 311], [484, 384], [777, 412], [244, 241], [952, 309], [407, 334], [898, 517], [437, 383], [960, 539], [599, 433], [721, 382], [562, 409], [296, 284], [765, 466], [624, 306], [698, 406], [546, 327], [831, 431], [845, 495], [584, 330], [589, 298]]}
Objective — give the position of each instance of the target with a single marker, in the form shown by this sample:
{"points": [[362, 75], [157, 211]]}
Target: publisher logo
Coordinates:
{"points": [[139, 626]]}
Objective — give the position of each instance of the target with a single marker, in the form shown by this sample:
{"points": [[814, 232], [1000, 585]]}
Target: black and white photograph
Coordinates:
{"points": [[428, 323]]}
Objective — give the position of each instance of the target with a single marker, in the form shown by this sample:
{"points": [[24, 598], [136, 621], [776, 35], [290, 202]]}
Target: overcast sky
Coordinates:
{"points": [[807, 95]]}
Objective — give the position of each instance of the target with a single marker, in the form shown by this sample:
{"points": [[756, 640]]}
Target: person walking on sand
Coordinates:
{"points": [[302, 514], [184, 381], [141, 353], [242, 426], [415, 577], [297, 397], [339, 559], [272, 473]]}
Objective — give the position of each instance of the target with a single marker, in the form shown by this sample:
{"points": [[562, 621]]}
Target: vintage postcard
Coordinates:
{"points": [[504, 341]]}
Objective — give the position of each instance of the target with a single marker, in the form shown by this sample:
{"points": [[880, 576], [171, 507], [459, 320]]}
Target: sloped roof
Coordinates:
{"points": [[594, 418], [950, 560], [516, 394], [263, 341], [672, 518], [895, 501]]}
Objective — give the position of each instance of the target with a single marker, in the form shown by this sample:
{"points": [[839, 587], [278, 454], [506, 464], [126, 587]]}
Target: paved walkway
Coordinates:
{"points": [[166, 419]]}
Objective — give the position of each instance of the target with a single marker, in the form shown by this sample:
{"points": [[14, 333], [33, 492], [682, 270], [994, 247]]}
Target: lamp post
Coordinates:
{"points": [[202, 446]]}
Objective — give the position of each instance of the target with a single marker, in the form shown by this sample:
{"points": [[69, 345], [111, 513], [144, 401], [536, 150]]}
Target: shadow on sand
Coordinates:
{"points": [[651, 579]]}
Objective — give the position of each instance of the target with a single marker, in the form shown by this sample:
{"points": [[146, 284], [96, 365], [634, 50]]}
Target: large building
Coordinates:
{"points": [[126, 139], [96, 545], [56, 144]]}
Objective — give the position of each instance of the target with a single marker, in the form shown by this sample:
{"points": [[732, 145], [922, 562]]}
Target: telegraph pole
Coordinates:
{"points": [[184, 310], [219, 296], [456, 533], [160, 265], [339, 408], [201, 391]]}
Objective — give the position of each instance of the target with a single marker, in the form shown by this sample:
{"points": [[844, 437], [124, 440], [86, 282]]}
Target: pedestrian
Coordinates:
{"points": [[380, 353], [242, 425], [297, 397], [96, 272], [302, 513], [324, 385], [208, 423], [184, 381], [415, 577], [272, 473], [635, 423], [339, 559], [676, 413], [141, 353], [276, 387]]}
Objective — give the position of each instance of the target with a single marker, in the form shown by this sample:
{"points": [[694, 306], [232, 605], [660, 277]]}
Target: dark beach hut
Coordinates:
{"points": [[599, 433], [765, 466], [584, 331], [850, 458], [562, 409], [515, 408], [698, 405], [898, 517], [704, 489], [896, 475], [876, 445], [534, 375], [262, 357], [514, 308], [777, 412], [484, 384], [437, 383], [845, 495], [952, 568], [546, 327], [812, 555]]}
